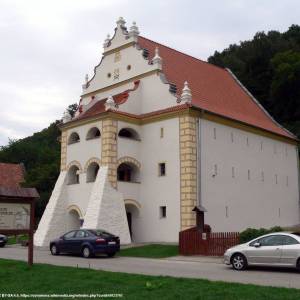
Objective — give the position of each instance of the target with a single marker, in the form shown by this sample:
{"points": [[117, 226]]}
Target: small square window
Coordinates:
{"points": [[162, 211], [161, 132], [162, 169], [215, 133]]}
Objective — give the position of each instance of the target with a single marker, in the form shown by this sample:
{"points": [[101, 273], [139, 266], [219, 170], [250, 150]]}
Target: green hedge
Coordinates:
{"points": [[252, 233]]}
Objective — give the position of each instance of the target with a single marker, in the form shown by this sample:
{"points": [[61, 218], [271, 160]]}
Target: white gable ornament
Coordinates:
{"points": [[186, 95], [110, 103], [121, 22], [107, 41], [134, 30], [86, 79], [66, 117], [157, 59]]}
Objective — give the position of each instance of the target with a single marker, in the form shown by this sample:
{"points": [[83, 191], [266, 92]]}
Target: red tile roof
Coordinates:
{"points": [[99, 106], [213, 89], [11, 175]]}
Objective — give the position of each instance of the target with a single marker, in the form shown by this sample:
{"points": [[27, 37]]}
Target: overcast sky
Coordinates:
{"points": [[47, 47]]}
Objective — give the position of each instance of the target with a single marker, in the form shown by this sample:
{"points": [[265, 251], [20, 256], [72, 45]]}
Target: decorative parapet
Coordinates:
{"points": [[109, 148], [188, 170]]}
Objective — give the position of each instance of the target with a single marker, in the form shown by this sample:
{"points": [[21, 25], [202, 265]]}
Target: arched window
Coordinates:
{"points": [[128, 172], [73, 175], [129, 133], [91, 172], [73, 138], [93, 133]]}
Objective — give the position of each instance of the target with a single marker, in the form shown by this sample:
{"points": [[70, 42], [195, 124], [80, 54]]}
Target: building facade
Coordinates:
{"points": [[158, 133]]}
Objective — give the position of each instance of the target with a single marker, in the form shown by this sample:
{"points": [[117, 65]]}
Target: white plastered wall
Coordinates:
{"points": [[233, 201], [154, 190]]}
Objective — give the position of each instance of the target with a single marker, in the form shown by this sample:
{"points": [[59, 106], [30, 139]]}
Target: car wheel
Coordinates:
{"points": [[239, 262], [2, 245], [111, 254], [54, 250], [86, 252]]}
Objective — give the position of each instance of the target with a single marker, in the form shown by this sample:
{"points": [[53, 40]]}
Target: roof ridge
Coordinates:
{"points": [[181, 52]]}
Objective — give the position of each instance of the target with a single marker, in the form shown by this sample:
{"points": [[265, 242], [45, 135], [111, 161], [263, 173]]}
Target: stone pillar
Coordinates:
{"points": [[109, 148], [63, 151], [188, 170]]}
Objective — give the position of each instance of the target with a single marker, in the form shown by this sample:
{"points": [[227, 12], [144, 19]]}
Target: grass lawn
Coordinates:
{"points": [[12, 239], [17, 277], [151, 251]]}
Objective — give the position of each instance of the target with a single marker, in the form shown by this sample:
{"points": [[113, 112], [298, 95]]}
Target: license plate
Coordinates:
{"points": [[111, 243]]}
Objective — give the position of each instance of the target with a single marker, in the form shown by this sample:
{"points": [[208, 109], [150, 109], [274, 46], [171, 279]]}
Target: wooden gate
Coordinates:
{"points": [[194, 242]]}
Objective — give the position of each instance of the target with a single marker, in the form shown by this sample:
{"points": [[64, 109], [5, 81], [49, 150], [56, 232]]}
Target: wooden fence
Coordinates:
{"points": [[194, 242]]}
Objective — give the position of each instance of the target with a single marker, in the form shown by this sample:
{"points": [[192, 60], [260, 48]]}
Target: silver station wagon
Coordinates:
{"points": [[278, 249]]}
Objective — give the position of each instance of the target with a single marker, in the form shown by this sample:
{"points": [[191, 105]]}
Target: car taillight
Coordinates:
{"points": [[100, 241]]}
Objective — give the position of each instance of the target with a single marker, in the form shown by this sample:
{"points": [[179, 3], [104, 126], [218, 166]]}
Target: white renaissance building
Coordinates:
{"points": [[158, 133]]}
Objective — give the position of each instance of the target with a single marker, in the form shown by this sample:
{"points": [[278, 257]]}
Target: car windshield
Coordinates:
{"points": [[99, 232]]}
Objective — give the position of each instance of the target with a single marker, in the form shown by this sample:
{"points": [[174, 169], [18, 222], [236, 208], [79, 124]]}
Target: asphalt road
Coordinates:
{"points": [[197, 267]]}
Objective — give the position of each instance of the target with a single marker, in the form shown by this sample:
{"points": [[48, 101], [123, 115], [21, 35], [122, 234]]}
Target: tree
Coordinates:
{"points": [[72, 109], [268, 66], [40, 154], [286, 85]]}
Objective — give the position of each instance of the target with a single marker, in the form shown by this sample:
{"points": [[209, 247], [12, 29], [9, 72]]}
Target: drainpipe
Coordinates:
{"points": [[298, 167]]}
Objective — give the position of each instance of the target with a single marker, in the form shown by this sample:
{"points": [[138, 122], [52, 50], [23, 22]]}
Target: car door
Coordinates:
{"points": [[290, 251], [67, 243], [80, 238], [266, 250]]}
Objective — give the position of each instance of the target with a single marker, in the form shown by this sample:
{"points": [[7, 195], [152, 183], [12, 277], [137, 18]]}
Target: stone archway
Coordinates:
{"points": [[74, 218], [132, 208]]}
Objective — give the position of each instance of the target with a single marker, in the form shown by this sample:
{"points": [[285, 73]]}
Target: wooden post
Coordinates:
{"points": [[31, 230]]}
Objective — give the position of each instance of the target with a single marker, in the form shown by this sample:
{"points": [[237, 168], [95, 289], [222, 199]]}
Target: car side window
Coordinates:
{"points": [[272, 240], [288, 240], [80, 234], [69, 235]]}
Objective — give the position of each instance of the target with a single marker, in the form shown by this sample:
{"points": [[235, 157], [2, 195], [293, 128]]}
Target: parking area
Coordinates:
{"points": [[190, 267]]}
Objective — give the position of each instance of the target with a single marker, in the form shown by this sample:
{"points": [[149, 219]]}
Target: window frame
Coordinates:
{"points": [[163, 212], [160, 164]]}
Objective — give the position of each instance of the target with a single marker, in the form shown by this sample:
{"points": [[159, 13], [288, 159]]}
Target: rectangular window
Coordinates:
{"points": [[261, 146], [276, 178], [161, 132], [287, 180], [286, 151], [232, 172], [231, 137], [226, 211], [162, 212], [275, 150], [248, 174], [162, 169], [262, 176], [215, 133], [247, 141], [215, 171]]}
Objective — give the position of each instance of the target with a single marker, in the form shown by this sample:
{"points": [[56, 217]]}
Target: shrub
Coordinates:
{"points": [[252, 233]]}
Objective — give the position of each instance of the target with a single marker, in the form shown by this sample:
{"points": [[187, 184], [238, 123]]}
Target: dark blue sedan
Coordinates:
{"points": [[87, 242], [3, 240]]}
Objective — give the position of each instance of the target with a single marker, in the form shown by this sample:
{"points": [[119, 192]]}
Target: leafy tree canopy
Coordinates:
{"points": [[40, 154], [269, 66]]}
